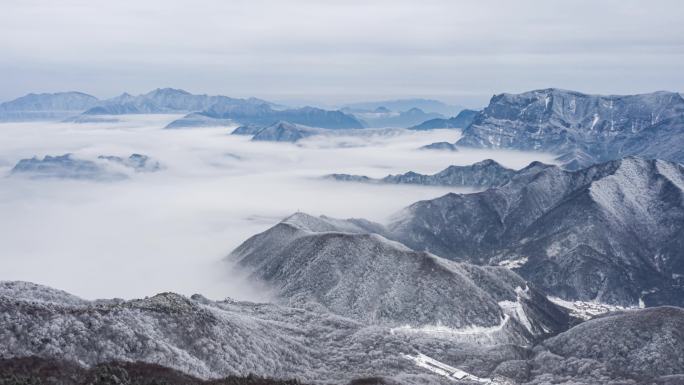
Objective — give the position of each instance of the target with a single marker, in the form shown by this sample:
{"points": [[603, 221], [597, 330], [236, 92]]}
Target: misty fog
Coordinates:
{"points": [[172, 229]]}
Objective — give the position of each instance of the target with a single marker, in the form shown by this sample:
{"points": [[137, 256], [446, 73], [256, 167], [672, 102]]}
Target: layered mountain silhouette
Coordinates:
{"points": [[610, 232], [351, 270], [46, 106], [486, 173]]}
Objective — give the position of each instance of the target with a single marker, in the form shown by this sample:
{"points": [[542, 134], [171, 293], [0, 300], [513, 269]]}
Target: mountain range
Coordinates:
{"points": [[202, 110], [462, 120], [352, 271], [582, 129], [399, 105], [346, 307], [383, 117], [46, 106], [265, 115], [486, 173], [67, 166], [569, 274], [164, 100], [610, 232], [461, 298]]}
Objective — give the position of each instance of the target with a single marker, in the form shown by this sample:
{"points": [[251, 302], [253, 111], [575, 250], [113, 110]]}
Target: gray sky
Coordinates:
{"points": [[337, 51]]}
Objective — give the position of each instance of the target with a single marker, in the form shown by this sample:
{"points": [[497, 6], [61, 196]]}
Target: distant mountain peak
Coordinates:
{"points": [[581, 128]]}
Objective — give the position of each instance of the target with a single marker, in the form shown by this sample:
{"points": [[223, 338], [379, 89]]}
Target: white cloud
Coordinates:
{"points": [[169, 231]]}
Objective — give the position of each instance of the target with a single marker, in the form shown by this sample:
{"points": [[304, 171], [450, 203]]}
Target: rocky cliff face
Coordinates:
{"points": [[611, 232], [566, 122]]}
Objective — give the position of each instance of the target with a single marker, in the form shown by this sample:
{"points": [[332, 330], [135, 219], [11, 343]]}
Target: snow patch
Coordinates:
{"points": [[516, 310], [589, 309], [445, 370], [440, 329], [593, 123], [513, 263]]}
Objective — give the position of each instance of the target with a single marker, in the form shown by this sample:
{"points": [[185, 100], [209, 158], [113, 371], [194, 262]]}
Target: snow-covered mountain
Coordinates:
{"points": [[211, 339], [486, 173], [46, 106], [462, 120], [350, 304], [37, 370], [351, 270], [285, 132], [595, 127], [611, 232]]}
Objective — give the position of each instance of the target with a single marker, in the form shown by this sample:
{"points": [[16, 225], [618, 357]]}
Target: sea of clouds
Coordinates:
{"points": [[171, 230]]}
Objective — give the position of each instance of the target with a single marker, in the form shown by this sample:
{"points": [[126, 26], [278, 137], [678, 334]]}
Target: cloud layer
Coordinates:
{"points": [[170, 230]]}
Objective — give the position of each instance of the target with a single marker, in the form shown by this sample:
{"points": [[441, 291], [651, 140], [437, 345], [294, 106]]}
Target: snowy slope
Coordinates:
{"points": [[611, 232], [352, 271]]}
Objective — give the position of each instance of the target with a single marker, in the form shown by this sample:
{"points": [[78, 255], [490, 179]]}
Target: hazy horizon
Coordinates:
{"points": [[304, 51]]}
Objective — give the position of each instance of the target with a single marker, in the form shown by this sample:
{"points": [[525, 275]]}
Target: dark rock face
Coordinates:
{"points": [[565, 122], [46, 106], [36, 370], [486, 173], [462, 120], [611, 232]]}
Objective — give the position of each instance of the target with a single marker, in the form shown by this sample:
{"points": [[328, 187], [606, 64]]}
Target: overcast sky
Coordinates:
{"points": [[337, 51]]}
